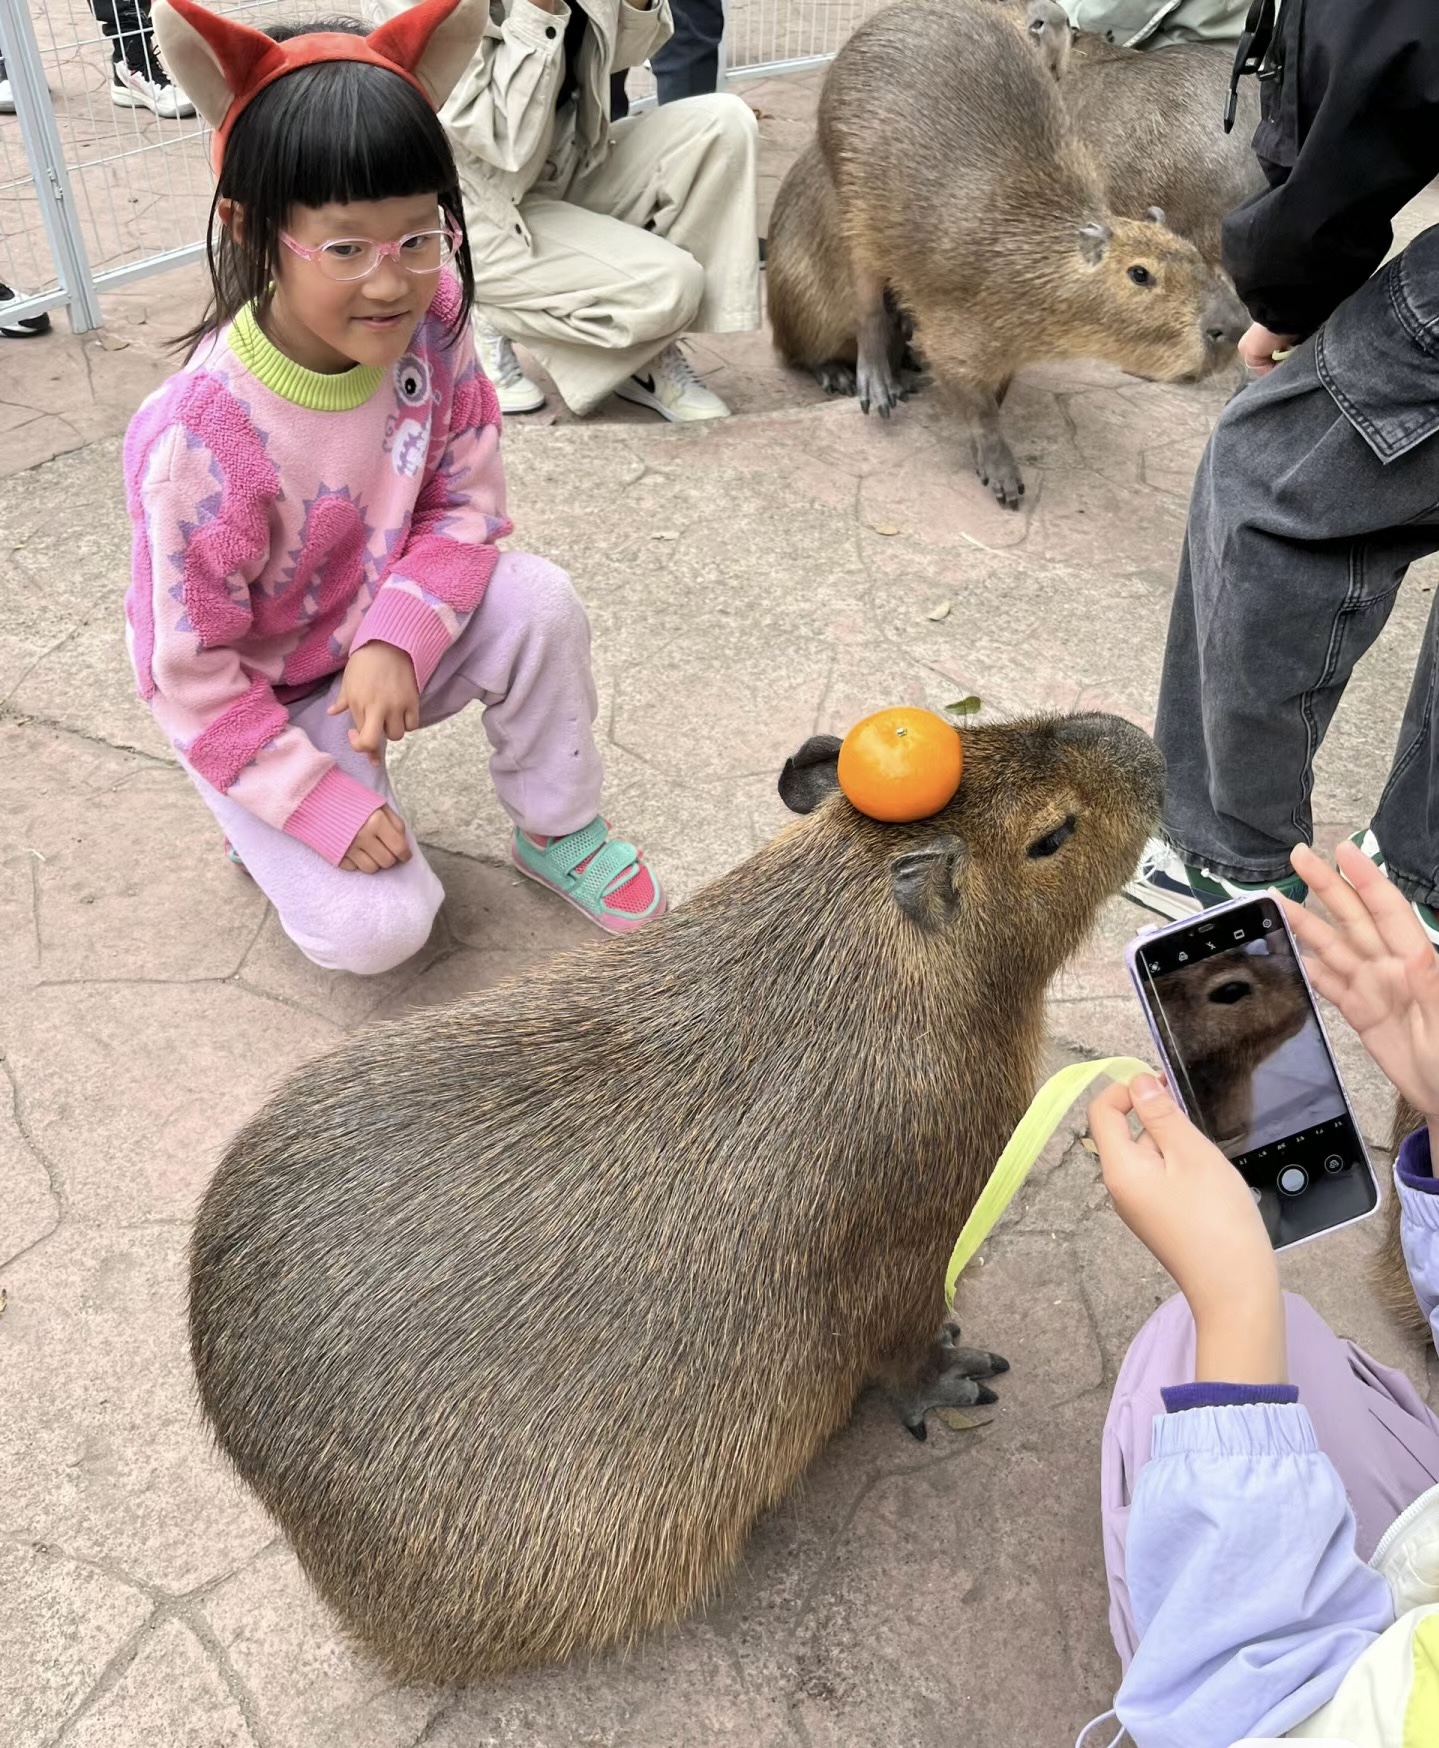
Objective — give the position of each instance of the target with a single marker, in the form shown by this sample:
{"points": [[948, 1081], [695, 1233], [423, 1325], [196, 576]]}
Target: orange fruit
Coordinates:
{"points": [[900, 764]]}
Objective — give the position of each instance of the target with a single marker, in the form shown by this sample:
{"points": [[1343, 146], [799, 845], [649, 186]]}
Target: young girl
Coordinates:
{"points": [[317, 496], [1271, 1513]]}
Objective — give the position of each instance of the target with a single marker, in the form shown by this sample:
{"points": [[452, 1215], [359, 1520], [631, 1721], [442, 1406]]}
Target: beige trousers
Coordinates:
{"points": [[658, 240]]}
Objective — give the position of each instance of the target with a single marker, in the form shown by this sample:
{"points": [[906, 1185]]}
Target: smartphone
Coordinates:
{"points": [[1239, 1035]]}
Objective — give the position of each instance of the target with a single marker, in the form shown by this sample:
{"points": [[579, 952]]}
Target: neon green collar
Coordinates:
{"points": [[1029, 1140], [318, 390]]}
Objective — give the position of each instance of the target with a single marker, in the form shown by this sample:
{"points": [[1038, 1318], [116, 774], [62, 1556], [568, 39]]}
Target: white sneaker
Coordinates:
{"points": [[514, 390], [7, 98], [132, 90], [669, 385]]}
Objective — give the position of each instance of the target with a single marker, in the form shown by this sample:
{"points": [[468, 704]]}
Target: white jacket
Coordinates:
{"points": [[501, 115]]}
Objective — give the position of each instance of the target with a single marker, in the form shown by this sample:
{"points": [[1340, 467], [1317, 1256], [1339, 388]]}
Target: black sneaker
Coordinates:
{"points": [[25, 327]]}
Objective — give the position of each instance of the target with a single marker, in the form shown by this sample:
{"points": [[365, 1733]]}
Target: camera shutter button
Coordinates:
{"points": [[1293, 1180]]}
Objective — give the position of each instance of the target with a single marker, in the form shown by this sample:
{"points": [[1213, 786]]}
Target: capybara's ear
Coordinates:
{"points": [[1094, 241], [811, 775], [1155, 215], [924, 884]]}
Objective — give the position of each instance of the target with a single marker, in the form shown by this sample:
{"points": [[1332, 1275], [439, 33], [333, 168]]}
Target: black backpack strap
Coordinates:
{"points": [[1253, 50]]}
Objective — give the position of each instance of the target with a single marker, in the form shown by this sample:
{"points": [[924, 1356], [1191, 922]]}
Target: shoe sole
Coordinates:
{"points": [[610, 925], [528, 406], [124, 98], [20, 333], [1167, 904], [640, 398]]}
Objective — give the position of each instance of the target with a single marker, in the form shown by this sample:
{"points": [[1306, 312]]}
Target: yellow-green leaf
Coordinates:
{"points": [[965, 706]]}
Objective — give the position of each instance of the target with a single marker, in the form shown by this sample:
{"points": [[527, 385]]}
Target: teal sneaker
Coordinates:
{"points": [[607, 879], [1368, 845], [1164, 883]]}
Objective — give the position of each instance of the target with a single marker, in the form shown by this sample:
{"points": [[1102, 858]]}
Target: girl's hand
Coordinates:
{"points": [[379, 843], [1377, 966], [1258, 345], [1183, 1200], [381, 694]]}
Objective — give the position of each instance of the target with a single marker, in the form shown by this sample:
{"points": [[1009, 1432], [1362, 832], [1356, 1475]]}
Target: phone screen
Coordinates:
{"points": [[1231, 1011]]}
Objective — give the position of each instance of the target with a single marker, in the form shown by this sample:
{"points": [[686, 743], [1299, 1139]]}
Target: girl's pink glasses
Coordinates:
{"points": [[347, 258]]}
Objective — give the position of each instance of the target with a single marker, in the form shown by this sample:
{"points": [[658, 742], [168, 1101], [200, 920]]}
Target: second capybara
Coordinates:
{"points": [[962, 197], [1227, 1015], [516, 1314], [1153, 122], [1391, 1272]]}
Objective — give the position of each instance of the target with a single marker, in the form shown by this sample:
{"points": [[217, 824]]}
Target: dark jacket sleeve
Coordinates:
{"points": [[1350, 133]]}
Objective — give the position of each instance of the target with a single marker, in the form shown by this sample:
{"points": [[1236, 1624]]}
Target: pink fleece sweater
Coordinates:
{"points": [[282, 518]]}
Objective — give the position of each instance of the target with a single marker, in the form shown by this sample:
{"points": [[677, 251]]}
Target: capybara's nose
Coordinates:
{"points": [[1226, 323]]}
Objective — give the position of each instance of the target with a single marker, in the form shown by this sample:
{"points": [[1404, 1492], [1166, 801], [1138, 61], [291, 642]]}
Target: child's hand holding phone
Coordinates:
{"points": [[1376, 964], [1186, 1203]]}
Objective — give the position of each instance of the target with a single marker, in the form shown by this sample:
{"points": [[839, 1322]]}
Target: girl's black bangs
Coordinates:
{"points": [[336, 133]]}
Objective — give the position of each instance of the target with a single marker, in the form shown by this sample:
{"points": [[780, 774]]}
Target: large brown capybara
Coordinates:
{"points": [[516, 1314], [949, 189]]}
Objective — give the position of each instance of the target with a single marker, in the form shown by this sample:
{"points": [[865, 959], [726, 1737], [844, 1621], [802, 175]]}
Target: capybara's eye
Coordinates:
{"points": [[1226, 994], [1141, 275], [1052, 841]]}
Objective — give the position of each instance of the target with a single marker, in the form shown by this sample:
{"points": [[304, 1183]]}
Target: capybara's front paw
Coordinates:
{"points": [[995, 464], [949, 1378], [878, 387]]}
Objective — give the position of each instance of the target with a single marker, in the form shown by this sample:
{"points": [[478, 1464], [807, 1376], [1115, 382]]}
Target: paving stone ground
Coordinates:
{"points": [[749, 584]]}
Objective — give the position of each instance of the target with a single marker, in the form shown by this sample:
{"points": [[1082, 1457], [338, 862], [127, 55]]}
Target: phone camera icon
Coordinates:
{"points": [[1333, 1164], [1269, 922], [1183, 958]]}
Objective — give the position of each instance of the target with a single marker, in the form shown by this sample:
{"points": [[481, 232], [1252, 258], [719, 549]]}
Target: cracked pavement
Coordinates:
{"points": [[749, 584]]}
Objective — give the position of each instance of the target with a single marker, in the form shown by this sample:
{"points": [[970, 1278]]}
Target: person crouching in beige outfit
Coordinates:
{"points": [[598, 243]]}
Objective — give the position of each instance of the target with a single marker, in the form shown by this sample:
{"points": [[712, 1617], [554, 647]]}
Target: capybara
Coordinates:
{"points": [[1153, 122], [964, 199], [516, 1314], [1228, 1015], [1391, 1272]]}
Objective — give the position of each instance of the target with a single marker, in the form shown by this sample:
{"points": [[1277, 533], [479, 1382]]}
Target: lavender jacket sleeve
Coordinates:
{"points": [[1250, 1599]]}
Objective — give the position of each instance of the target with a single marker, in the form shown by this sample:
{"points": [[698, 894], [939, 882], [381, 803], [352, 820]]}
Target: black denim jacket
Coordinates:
{"points": [[1349, 133]]}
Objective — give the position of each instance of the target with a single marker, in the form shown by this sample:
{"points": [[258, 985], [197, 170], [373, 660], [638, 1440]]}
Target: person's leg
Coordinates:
{"points": [[592, 297], [343, 921], [1406, 822], [524, 654], [127, 24], [688, 64], [688, 173], [1369, 1420], [1299, 536]]}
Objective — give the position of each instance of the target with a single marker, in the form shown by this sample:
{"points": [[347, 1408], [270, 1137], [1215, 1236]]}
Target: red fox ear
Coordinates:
{"points": [[435, 41], [211, 59]]}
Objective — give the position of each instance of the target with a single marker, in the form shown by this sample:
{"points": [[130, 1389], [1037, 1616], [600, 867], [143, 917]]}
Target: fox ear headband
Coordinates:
{"points": [[222, 64]]}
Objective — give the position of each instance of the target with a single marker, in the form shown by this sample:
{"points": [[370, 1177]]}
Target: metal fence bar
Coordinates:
{"points": [[111, 198], [41, 140]]}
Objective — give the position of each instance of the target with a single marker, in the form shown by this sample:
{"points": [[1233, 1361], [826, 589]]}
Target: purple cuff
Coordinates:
{"points": [[1414, 1167], [1178, 1397], [398, 618], [330, 815]]}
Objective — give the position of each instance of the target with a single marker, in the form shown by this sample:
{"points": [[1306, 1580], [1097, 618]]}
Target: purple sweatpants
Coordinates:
{"points": [[1370, 1422], [524, 655]]}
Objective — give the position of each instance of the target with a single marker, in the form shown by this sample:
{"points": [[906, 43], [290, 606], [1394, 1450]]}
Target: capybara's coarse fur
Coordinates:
{"points": [[1226, 1016], [1391, 1272], [964, 199], [1153, 122], [516, 1314]]}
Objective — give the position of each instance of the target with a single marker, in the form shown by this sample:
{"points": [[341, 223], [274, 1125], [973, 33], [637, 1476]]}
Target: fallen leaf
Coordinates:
{"points": [[883, 528], [970, 706], [959, 1420], [1088, 1145], [664, 534], [939, 612], [108, 342], [2, 1301]]}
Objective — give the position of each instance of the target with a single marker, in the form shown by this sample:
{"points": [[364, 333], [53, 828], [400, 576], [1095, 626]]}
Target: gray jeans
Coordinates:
{"points": [[1318, 490]]}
